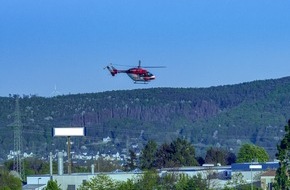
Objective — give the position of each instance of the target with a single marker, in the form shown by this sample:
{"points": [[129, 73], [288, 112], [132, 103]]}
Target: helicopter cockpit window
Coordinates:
{"points": [[149, 74]]}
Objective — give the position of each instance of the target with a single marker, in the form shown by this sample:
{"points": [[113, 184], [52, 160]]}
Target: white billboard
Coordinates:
{"points": [[68, 132]]}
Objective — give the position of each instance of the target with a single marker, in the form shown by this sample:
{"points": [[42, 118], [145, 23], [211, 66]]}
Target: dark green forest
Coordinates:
{"points": [[223, 116]]}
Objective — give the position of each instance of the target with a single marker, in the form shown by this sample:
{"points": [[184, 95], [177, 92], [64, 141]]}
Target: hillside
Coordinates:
{"points": [[224, 116]]}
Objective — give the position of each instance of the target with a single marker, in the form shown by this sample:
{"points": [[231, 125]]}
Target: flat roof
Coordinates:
{"points": [[32, 186]]}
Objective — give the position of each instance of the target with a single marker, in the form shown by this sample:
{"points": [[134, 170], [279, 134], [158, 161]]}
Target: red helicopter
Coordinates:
{"points": [[137, 74]]}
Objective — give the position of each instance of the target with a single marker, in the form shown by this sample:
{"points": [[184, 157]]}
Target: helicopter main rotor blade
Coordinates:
{"points": [[154, 67]]}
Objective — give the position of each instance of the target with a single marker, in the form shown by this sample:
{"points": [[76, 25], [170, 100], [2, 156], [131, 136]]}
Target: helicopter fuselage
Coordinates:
{"points": [[140, 75], [136, 74]]}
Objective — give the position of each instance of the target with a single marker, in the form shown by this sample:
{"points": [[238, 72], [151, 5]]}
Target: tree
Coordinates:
{"points": [[32, 166], [183, 153], [182, 183], [197, 182], [191, 183], [178, 153], [231, 158], [216, 155], [52, 185], [147, 181], [128, 185], [99, 182], [131, 161], [250, 152], [8, 181], [35, 166], [282, 173], [148, 156], [237, 179], [163, 156], [5, 188], [200, 160]]}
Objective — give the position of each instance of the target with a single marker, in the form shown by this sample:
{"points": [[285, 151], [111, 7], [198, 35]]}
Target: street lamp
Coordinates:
{"points": [[254, 167], [38, 182]]}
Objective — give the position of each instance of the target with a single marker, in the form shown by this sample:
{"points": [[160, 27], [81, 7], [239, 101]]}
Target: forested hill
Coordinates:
{"points": [[224, 116]]}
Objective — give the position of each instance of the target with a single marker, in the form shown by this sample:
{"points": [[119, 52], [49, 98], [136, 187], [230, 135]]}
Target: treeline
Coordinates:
{"points": [[181, 153], [176, 154], [224, 116]]}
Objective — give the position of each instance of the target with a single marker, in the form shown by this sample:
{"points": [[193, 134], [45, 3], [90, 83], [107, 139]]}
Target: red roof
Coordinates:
{"points": [[269, 173]]}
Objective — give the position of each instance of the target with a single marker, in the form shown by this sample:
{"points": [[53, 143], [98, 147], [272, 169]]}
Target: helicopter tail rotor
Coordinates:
{"points": [[111, 69]]}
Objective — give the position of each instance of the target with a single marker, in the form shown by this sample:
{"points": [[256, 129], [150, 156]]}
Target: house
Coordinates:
{"points": [[267, 179], [106, 140], [252, 171]]}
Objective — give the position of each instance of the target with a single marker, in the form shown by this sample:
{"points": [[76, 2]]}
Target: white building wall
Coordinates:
{"points": [[65, 180], [38, 180], [249, 176], [77, 179]]}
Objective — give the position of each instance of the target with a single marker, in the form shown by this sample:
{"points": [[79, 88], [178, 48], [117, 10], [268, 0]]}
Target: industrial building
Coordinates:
{"points": [[222, 174]]}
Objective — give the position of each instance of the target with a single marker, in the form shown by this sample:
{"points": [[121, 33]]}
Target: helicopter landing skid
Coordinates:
{"points": [[136, 82]]}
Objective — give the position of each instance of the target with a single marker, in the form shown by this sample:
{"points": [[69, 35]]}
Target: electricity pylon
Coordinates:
{"points": [[17, 130]]}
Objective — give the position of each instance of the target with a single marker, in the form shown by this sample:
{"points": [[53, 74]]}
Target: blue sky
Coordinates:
{"points": [[202, 43]]}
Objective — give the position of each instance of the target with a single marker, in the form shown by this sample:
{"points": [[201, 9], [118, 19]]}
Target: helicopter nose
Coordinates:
{"points": [[152, 77]]}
